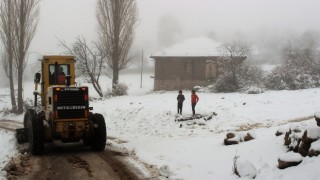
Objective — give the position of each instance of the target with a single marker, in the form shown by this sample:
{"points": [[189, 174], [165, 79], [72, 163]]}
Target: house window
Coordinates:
{"points": [[211, 71], [189, 68]]}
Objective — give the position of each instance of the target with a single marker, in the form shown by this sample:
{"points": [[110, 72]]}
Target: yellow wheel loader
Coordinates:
{"points": [[64, 113]]}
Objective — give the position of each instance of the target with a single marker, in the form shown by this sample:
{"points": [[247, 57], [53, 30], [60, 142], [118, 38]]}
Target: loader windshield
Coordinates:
{"points": [[57, 73]]}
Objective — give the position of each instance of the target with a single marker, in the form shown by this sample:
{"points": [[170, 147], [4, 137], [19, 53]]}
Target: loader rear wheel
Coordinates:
{"points": [[27, 117], [36, 135], [99, 137], [86, 141]]}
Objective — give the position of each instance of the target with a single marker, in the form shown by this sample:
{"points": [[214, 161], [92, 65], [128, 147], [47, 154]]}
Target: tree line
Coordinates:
{"points": [[299, 67], [110, 54], [18, 23]]}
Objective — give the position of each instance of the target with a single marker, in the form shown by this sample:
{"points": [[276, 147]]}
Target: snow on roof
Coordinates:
{"points": [[201, 46]]}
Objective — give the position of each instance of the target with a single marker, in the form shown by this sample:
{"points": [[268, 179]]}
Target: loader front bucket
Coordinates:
{"points": [[22, 135]]}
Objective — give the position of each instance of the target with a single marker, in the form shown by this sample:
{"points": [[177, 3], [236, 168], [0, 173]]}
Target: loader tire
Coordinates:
{"points": [[36, 135], [99, 137], [86, 141], [27, 117]]}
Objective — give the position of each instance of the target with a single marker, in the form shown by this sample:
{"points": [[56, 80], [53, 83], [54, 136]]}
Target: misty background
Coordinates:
{"points": [[266, 25]]}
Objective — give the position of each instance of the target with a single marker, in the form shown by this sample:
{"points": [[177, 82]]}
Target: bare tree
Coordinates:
{"points": [[301, 52], [116, 23], [234, 50], [91, 61], [8, 16], [27, 17], [300, 66], [233, 53]]}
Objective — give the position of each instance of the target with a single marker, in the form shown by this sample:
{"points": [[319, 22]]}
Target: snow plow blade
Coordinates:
{"points": [[22, 135]]}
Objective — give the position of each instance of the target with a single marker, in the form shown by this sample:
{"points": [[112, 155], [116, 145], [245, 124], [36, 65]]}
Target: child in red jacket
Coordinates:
{"points": [[194, 101]]}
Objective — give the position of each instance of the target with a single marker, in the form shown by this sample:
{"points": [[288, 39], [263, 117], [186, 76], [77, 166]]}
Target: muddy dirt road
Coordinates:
{"points": [[73, 161], [76, 161]]}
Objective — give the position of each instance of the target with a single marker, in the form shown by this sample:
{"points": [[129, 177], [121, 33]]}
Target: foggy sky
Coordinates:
{"points": [[221, 19]]}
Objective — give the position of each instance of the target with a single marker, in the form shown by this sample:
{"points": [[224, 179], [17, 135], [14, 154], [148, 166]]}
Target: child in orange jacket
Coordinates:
{"points": [[194, 101]]}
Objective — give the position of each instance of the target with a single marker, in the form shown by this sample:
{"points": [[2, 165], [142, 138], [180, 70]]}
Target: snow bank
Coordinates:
{"points": [[291, 157], [313, 133], [246, 169], [315, 145]]}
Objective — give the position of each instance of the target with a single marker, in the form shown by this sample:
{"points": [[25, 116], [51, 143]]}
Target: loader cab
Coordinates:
{"points": [[55, 70], [58, 73]]}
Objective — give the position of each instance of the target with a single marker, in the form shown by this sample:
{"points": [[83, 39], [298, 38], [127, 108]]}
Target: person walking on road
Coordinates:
{"points": [[180, 99], [194, 101]]}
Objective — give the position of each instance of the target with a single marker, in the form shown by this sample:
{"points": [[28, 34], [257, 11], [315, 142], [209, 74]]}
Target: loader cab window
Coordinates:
{"points": [[57, 74]]}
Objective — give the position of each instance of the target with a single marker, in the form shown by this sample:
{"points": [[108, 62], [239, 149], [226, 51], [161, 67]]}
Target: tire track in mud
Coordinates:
{"points": [[246, 127], [75, 161], [10, 125]]}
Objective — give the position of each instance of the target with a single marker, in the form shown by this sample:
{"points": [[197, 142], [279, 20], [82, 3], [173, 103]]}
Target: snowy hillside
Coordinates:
{"points": [[144, 123]]}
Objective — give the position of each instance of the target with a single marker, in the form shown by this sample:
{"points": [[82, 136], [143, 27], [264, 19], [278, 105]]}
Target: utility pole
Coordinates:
{"points": [[141, 69]]}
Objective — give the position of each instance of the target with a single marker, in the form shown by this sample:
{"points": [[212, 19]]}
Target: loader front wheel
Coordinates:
{"points": [[36, 135], [99, 137], [27, 117]]}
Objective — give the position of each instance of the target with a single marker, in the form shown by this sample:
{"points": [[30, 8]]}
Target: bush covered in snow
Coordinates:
{"points": [[244, 168], [244, 78], [120, 90], [28, 103], [291, 78], [300, 68]]}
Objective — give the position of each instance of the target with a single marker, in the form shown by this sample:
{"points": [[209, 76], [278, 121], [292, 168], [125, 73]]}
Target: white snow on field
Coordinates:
{"points": [[144, 122]]}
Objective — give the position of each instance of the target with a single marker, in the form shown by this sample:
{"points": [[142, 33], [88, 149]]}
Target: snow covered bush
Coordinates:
{"points": [[225, 83], [291, 78], [6, 111], [120, 90], [28, 103], [300, 68], [244, 168], [254, 90], [244, 78]]}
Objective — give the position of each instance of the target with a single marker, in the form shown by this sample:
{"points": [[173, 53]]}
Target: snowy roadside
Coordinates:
{"points": [[144, 123], [7, 148]]}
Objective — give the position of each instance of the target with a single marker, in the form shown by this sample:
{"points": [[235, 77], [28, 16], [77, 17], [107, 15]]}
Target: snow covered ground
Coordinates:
{"points": [[144, 123]]}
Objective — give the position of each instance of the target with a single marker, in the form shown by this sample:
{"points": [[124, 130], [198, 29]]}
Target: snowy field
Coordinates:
{"points": [[144, 123]]}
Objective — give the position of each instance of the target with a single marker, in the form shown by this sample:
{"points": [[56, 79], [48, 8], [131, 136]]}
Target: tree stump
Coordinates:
{"points": [[248, 137], [284, 164], [289, 159], [230, 139]]}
